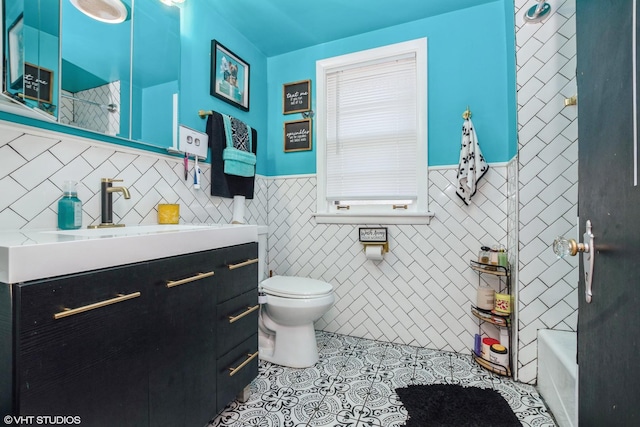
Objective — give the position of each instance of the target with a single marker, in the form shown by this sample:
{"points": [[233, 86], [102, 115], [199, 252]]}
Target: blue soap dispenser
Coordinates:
{"points": [[69, 208]]}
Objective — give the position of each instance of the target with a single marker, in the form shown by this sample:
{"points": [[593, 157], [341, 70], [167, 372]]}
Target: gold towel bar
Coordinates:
{"points": [[204, 113]]}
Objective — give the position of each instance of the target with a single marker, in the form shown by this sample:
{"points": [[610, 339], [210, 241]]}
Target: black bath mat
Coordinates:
{"points": [[449, 405]]}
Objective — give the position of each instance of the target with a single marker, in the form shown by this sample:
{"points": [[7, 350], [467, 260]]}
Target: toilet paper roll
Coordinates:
{"points": [[238, 210], [373, 252]]}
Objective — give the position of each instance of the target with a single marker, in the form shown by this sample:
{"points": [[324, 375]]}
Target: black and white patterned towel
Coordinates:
{"points": [[472, 165]]}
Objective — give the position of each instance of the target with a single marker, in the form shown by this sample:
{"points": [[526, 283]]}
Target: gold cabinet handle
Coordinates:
{"points": [[250, 357], [172, 283], [243, 264], [71, 311], [241, 315]]}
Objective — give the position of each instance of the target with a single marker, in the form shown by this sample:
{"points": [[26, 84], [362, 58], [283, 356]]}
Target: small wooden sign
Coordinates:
{"points": [[296, 97], [38, 83], [297, 135], [373, 234]]}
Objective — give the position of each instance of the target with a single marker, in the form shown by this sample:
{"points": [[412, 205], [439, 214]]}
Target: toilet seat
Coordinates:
{"points": [[295, 287]]}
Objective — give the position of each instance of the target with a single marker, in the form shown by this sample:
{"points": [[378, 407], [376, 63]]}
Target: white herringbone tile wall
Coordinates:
{"points": [[93, 114], [548, 176], [34, 165], [420, 294]]}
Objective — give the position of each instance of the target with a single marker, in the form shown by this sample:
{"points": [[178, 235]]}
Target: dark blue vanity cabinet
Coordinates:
{"points": [[182, 372], [237, 320], [167, 342], [80, 347]]}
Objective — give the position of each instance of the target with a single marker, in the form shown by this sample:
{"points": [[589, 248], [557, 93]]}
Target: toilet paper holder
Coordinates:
{"points": [[374, 236], [385, 246]]}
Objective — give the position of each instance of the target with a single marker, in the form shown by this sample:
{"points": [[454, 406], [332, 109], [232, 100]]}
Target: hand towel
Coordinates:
{"points": [[472, 165], [237, 156], [222, 184]]}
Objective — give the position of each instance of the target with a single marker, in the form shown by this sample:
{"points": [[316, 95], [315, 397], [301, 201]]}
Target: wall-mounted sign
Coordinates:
{"points": [[37, 83], [297, 135], [373, 234], [296, 97]]}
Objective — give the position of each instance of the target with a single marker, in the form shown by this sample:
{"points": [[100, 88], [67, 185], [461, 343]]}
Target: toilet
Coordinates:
{"points": [[286, 334]]}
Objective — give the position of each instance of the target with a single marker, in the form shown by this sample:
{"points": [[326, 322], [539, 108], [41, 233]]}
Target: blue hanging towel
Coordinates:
{"points": [[238, 157]]}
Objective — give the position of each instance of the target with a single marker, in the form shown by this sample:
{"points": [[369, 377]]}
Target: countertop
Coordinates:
{"points": [[37, 254]]}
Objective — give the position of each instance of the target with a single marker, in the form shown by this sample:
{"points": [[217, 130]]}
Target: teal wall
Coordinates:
{"points": [[471, 61], [200, 25]]}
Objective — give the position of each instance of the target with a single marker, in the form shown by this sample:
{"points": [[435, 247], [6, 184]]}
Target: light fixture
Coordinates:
{"points": [[109, 11], [172, 2]]}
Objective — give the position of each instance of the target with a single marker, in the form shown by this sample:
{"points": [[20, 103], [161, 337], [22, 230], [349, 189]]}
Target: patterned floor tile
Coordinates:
{"points": [[354, 382]]}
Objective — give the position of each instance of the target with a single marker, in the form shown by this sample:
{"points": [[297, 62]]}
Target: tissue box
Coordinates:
{"points": [[168, 214]]}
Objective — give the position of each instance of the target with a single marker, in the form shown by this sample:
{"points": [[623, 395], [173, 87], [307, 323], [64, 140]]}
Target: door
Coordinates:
{"points": [[609, 326], [182, 372], [81, 348]]}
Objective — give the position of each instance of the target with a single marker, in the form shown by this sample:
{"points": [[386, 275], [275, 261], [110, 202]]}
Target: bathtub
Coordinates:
{"points": [[557, 374]]}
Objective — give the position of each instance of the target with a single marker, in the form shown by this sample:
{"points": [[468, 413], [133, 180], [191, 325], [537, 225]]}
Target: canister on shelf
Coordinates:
{"points": [[493, 256], [503, 303], [487, 342], [485, 298], [483, 255], [503, 259], [504, 338], [498, 354]]}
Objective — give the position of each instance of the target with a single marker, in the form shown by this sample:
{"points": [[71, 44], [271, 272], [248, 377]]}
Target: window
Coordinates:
{"points": [[372, 136]]}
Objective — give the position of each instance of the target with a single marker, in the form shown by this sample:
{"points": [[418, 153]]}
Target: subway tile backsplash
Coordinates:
{"points": [[34, 165]]}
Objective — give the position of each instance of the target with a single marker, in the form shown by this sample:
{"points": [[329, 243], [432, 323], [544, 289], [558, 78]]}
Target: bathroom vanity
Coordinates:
{"points": [[156, 326]]}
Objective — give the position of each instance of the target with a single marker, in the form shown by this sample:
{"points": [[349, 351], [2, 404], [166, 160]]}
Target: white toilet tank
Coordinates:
{"points": [[262, 251]]}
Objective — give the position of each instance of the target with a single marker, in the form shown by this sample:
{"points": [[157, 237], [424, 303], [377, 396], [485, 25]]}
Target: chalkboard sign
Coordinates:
{"points": [[296, 97], [297, 135], [38, 83]]}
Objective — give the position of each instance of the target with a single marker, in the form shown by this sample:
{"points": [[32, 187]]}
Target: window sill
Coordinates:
{"points": [[395, 218]]}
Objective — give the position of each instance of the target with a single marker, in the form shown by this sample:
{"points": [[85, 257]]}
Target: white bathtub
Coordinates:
{"points": [[558, 374]]}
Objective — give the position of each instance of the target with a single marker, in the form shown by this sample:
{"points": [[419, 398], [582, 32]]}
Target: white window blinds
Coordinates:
{"points": [[371, 136]]}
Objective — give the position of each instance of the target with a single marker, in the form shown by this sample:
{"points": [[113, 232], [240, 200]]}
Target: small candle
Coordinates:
{"points": [[168, 214]]}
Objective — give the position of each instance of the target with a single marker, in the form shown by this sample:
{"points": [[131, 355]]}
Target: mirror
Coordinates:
{"points": [[31, 37], [96, 81]]}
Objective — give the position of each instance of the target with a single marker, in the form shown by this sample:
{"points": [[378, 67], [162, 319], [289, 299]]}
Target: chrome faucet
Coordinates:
{"points": [[106, 193]]}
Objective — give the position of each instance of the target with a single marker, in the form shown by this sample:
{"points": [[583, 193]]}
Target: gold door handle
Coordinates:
{"points": [[66, 312], [241, 315], [250, 357], [243, 264], [172, 283]]}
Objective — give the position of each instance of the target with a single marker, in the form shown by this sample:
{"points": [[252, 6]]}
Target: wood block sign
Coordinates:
{"points": [[296, 97], [297, 135], [38, 83]]}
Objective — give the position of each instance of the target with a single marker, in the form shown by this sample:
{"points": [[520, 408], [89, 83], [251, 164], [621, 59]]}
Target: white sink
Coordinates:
{"points": [[129, 230], [36, 254]]}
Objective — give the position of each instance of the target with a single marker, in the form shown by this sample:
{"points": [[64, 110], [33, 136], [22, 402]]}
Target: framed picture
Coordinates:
{"points": [[296, 97], [297, 135], [16, 53], [229, 76]]}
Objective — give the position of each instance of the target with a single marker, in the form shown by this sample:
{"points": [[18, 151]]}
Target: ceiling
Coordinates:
{"points": [[280, 26]]}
